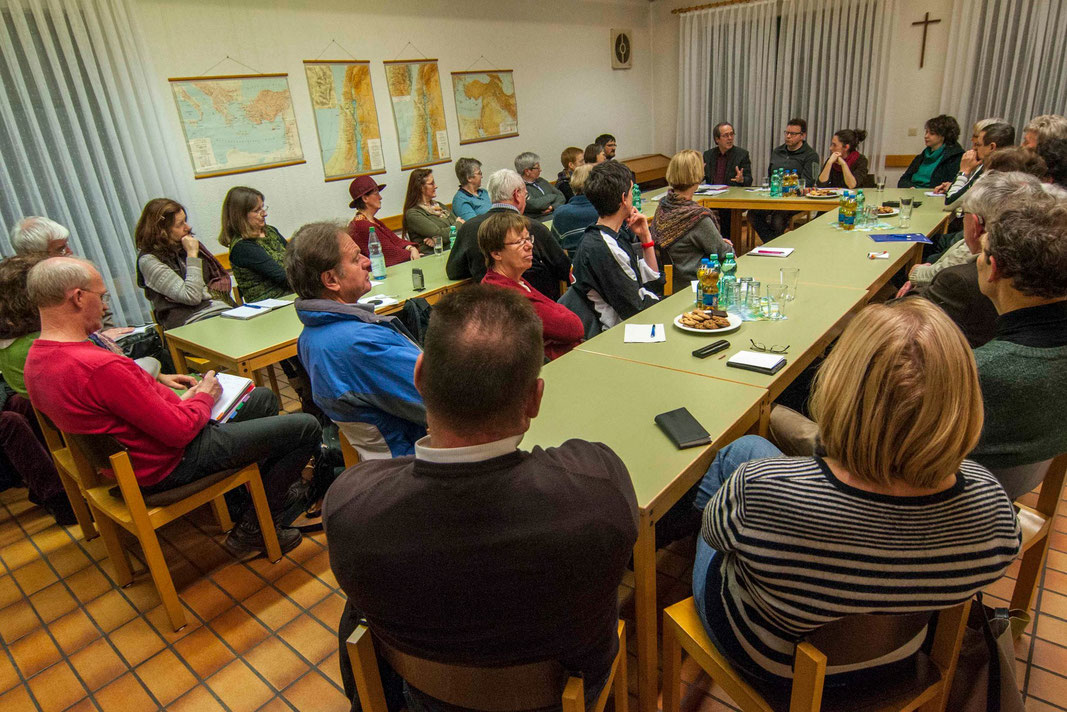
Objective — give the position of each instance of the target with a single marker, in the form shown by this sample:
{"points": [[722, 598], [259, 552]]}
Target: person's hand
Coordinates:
{"points": [[969, 161], [836, 158], [915, 267], [428, 241], [117, 331], [908, 286], [548, 209], [460, 221], [191, 245], [739, 177], [728, 242], [209, 385], [639, 224], [415, 254], [176, 381], [943, 188]]}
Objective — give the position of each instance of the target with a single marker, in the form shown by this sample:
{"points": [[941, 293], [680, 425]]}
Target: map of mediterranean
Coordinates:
{"points": [[235, 124], [485, 105], [347, 121], [418, 112]]}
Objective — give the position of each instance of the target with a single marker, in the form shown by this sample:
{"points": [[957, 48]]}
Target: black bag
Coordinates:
{"points": [[985, 674], [147, 343], [415, 316]]}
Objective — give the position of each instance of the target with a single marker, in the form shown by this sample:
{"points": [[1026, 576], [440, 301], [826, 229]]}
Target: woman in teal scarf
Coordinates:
{"points": [[940, 161]]}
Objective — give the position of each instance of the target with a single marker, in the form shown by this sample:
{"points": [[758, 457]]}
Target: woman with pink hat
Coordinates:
{"points": [[367, 200]]}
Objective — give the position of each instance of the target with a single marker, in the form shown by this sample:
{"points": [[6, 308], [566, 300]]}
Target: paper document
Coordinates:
{"points": [[138, 330], [644, 334], [771, 251], [271, 303], [234, 389], [245, 312]]}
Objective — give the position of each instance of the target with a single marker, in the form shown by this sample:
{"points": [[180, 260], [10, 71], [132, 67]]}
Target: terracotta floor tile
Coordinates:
{"points": [[1053, 603], [34, 576], [19, 554], [199, 699], [331, 668], [86, 705], [57, 688], [1057, 560], [239, 629], [1034, 705], [307, 549], [1047, 686], [166, 677], [53, 602], [110, 610], [1056, 581], [1058, 541], [278, 704], [98, 664], [238, 581], [9, 592], [88, 584], [68, 559], [1052, 629], [160, 620], [125, 694], [17, 620], [276, 662], [74, 631], [8, 676], [17, 700], [142, 594], [1001, 588], [302, 587], [136, 641], [309, 638], [50, 539], [239, 687], [313, 691], [271, 607], [1050, 656], [204, 652], [329, 610], [207, 599], [34, 652], [319, 566], [270, 571]]}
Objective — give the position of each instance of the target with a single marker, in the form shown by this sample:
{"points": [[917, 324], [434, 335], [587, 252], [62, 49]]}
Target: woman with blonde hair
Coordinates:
{"points": [[685, 231], [886, 518], [257, 250]]}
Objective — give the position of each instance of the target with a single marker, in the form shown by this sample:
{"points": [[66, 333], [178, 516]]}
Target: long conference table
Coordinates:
{"points": [[609, 391]]}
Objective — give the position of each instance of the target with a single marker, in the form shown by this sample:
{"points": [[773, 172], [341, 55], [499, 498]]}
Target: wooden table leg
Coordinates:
{"points": [[645, 615], [764, 418], [737, 218], [178, 356]]}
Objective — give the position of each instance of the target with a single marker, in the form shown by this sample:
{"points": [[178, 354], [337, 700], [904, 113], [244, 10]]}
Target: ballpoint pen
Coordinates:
{"points": [[653, 331]]}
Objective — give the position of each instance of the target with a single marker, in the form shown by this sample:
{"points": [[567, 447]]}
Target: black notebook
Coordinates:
{"points": [[682, 428]]}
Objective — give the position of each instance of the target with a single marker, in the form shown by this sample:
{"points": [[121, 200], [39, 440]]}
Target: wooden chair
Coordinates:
{"points": [[142, 514], [849, 640], [1037, 525], [520, 687], [68, 475], [668, 275], [348, 452]]}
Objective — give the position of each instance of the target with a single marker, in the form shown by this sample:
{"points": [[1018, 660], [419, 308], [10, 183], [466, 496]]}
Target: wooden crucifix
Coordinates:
{"points": [[925, 22]]}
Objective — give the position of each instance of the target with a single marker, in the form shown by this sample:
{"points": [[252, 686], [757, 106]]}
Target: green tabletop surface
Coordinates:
{"points": [[628, 397]]}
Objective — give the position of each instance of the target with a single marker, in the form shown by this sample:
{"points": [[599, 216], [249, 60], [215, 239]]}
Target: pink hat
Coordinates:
{"points": [[361, 186]]}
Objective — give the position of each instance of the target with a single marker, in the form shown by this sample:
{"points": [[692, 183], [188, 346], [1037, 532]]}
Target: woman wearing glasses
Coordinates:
{"points": [[257, 250], [505, 241], [180, 277]]}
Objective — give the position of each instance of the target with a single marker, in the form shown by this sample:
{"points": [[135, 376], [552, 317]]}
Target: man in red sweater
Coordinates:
{"points": [[172, 439]]}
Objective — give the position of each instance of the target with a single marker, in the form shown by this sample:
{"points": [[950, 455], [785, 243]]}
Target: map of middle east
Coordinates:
{"points": [[347, 121], [418, 112], [485, 105], [235, 124]]}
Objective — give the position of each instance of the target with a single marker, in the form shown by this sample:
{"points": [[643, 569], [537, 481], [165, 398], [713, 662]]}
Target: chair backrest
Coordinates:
{"points": [[859, 638], [52, 437], [92, 454], [573, 301]]}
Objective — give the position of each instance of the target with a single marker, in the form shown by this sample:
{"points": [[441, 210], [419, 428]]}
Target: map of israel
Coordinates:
{"points": [[418, 112], [347, 121], [485, 105], [239, 123]]}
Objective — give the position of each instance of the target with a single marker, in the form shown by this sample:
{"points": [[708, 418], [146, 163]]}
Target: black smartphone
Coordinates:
{"points": [[418, 281], [712, 348]]}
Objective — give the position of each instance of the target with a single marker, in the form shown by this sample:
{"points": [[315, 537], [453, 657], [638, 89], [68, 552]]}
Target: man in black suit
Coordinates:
{"points": [[726, 164]]}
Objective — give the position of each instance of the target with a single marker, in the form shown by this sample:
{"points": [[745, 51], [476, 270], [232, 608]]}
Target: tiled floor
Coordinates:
{"points": [[262, 636]]}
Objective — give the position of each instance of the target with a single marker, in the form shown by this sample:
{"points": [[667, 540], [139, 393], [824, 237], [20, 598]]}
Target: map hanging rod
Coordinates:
{"points": [[228, 57], [333, 43], [409, 44]]}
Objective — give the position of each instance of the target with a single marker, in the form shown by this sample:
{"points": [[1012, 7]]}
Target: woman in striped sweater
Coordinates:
{"points": [[886, 518]]}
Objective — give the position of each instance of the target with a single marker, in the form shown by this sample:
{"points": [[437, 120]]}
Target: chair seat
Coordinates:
{"points": [[167, 497], [1032, 522]]}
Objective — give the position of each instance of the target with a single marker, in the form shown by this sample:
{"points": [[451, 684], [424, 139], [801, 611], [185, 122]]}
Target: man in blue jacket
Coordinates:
{"points": [[361, 365]]}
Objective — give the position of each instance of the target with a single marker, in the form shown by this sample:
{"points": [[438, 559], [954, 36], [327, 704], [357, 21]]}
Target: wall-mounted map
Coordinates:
{"points": [[237, 123], [418, 112], [485, 105], [346, 119]]}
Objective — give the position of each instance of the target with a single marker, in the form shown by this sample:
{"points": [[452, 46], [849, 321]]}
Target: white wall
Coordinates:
{"points": [[566, 91]]}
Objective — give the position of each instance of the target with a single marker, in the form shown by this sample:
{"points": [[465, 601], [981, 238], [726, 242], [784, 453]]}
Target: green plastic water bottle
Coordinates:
{"points": [[637, 197], [451, 237]]}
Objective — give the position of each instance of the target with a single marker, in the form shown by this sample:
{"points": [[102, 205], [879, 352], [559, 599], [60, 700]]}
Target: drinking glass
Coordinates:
{"points": [[871, 217], [766, 184], [752, 298], [728, 294], [802, 185], [879, 181], [764, 307], [438, 245], [789, 276], [777, 297], [905, 211]]}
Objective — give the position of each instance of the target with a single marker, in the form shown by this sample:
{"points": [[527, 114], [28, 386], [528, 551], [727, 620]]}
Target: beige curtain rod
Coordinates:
{"points": [[707, 6]]}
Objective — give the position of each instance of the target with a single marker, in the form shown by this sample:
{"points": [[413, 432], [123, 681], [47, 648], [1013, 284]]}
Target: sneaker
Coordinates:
{"points": [[244, 540]]}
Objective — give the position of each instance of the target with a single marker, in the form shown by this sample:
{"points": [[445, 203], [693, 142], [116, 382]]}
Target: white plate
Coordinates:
{"points": [[378, 300], [735, 324], [887, 215], [835, 196]]}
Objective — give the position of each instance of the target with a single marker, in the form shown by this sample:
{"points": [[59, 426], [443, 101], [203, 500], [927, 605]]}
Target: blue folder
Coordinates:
{"points": [[903, 237]]}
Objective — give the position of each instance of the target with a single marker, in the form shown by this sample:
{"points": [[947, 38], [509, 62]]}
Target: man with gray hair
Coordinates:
{"points": [[541, 196], [37, 235], [550, 263], [1042, 128], [172, 440]]}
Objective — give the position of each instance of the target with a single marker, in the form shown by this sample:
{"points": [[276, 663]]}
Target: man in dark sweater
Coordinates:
{"points": [[726, 164], [550, 263], [474, 552], [793, 155]]}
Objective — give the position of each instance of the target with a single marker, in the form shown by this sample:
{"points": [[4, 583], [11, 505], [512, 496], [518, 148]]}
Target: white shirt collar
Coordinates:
{"points": [[470, 453]]}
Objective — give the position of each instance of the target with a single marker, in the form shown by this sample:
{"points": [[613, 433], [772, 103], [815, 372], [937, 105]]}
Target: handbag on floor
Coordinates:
{"points": [[985, 674]]}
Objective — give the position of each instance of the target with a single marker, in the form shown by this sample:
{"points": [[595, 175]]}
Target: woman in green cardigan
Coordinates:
{"points": [[424, 217], [257, 250]]}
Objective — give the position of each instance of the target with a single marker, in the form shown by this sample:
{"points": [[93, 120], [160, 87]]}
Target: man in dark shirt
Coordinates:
{"points": [[609, 144], [473, 551], [793, 155], [726, 164]]}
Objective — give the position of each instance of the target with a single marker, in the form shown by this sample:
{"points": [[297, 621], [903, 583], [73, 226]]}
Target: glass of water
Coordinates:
{"points": [[905, 211], [879, 182], [776, 299], [752, 298], [438, 245], [789, 276], [766, 184]]}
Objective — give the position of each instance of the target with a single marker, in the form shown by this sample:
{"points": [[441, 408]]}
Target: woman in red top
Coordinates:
{"points": [[507, 245], [367, 200]]}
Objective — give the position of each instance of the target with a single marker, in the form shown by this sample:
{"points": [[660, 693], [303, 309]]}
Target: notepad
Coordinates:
{"points": [[251, 310], [644, 334], [756, 361], [271, 303], [235, 391], [771, 251]]}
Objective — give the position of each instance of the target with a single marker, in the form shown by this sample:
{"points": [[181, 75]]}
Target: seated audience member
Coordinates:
{"points": [[37, 235], [1044, 127], [594, 154], [1022, 268], [541, 196], [181, 278], [898, 408], [360, 364], [1053, 152], [25, 461], [940, 160], [424, 218], [845, 167], [994, 137], [171, 441], [550, 263], [970, 164], [471, 199], [367, 200], [685, 231], [615, 276], [608, 142], [571, 158], [256, 248], [523, 551], [507, 244], [571, 220], [726, 164], [793, 155]]}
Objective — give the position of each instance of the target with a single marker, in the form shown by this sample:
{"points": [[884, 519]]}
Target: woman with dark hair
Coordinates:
{"points": [[257, 250], [425, 218], [940, 161], [180, 277], [594, 154], [367, 200], [845, 167]]}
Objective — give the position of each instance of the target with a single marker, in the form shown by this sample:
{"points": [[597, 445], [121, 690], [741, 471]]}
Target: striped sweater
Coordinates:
{"points": [[799, 548]]}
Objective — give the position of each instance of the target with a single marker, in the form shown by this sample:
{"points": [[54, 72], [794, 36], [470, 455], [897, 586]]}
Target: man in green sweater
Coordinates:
{"points": [[1022, 268]]}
